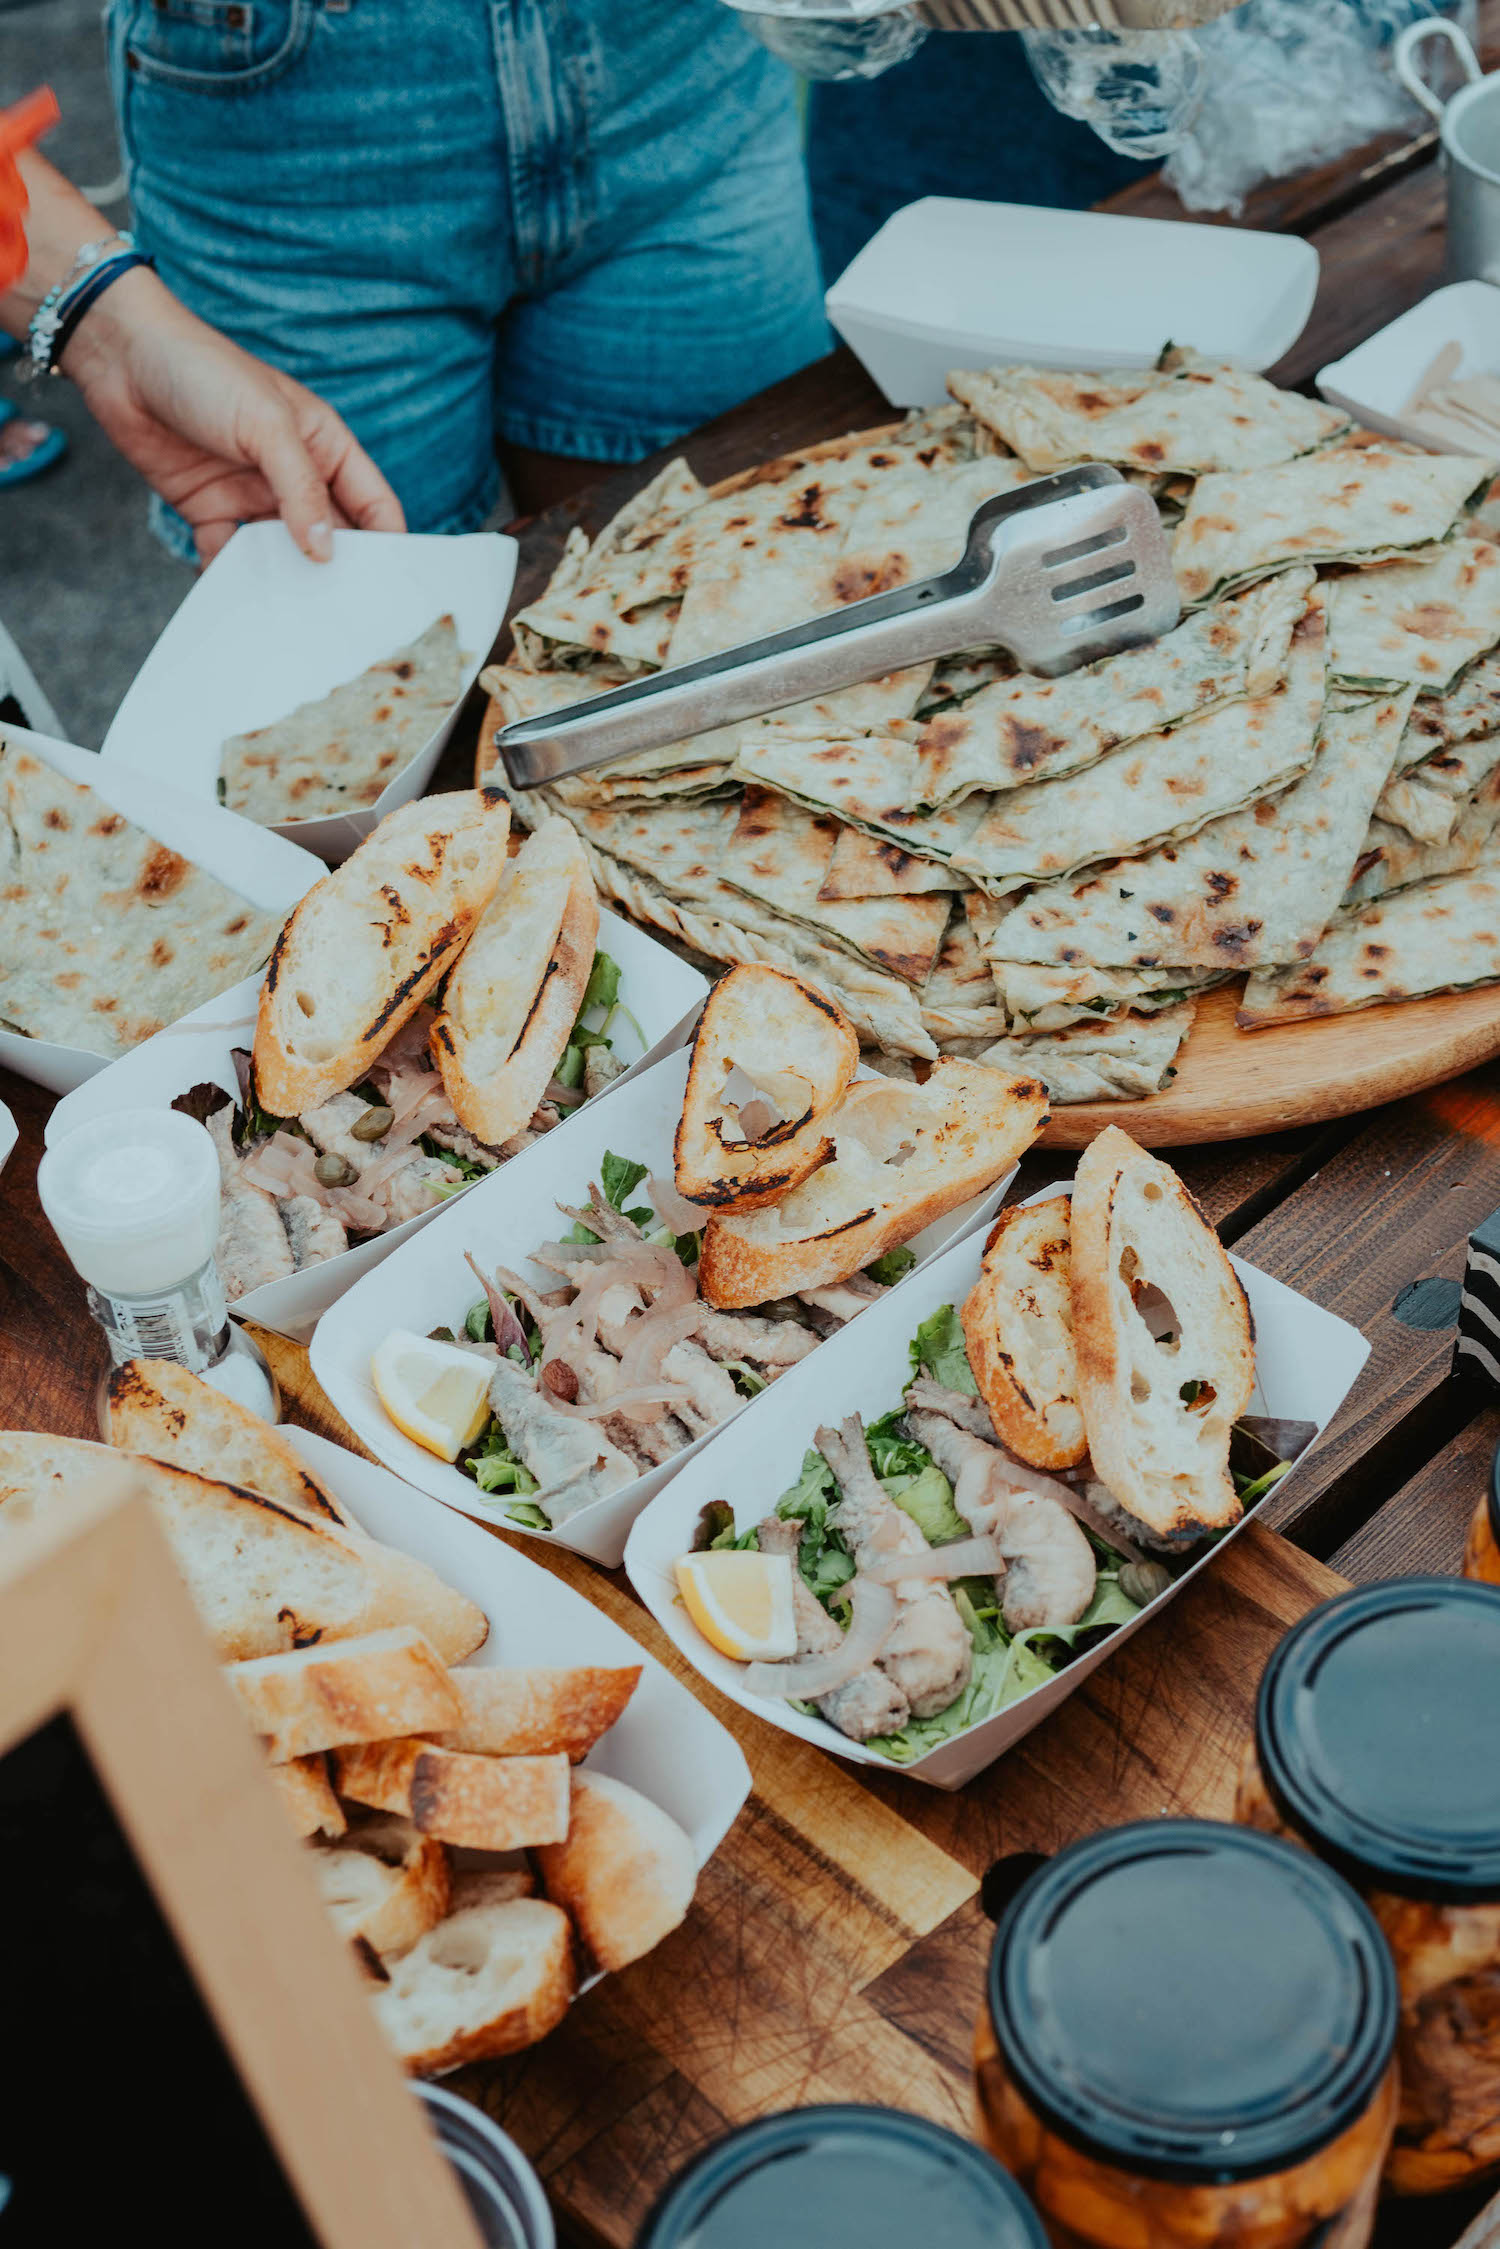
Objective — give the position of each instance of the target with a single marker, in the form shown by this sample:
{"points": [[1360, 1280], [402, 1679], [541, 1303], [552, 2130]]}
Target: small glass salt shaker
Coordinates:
{"points": [[134, 1200]]}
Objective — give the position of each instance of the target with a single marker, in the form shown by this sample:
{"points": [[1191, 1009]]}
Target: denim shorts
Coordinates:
{"points": [[577, 225]]}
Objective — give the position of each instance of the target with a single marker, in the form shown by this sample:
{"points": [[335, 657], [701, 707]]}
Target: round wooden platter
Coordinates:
{"points": [[1233, 1084]]}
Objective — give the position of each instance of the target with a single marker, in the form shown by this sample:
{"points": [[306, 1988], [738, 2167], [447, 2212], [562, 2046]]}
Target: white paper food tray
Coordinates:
{"points": [[952, 283], [661, 992], [665, 1744], [264, 630], [508, 1216], [262, 867], [1306, 1362], [1374, 382], [8, 1135]]}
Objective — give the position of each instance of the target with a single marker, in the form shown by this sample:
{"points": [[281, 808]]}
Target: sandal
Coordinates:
{"points": [[48, 449]]}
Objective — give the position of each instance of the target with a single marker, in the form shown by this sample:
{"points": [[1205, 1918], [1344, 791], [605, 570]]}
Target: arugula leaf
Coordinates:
{"points": [[825, 1561], [893, 1451], [617, 1175], [938, 1345], [890, 1268], [928, 1500], [1108, 1608], [603, 986]]}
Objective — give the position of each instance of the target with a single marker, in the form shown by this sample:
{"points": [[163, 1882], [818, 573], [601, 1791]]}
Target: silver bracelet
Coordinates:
{"points": [[42, 329]]}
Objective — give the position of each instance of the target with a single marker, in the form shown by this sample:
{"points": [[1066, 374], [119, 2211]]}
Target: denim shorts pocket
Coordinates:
{"points": [[210, 46]]}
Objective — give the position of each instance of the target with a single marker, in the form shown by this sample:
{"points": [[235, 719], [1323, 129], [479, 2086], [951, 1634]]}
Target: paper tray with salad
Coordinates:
{"points": [[894, 1576]]}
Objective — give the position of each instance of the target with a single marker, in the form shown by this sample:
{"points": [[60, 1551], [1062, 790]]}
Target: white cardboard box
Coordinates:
{"points": [[1374, 382], [661, 992], [1306, 1362], [949, 282], [264, 630], [8, 1135], [271, 873], [665, 1744], [502, 1221]]}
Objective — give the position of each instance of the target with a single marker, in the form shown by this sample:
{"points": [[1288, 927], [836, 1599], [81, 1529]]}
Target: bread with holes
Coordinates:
{"points": [[514, 1712], [1018, 1328], [1164, 1342], [384, 1885], [488, 1803], [904, 1156], [341, 1691], [492, 1978], [263, 1577], [792, 1045], [517, 987], [626, 1871], [369, 943], [157, 1407], [305, 1794]]}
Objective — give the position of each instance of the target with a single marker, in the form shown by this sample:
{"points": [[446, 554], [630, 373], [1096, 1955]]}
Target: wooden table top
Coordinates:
{"points": [[836, 1950]]}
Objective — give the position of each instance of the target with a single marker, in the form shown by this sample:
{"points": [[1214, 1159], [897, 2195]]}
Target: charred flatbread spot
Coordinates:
{"points": [[163, 873], [805, 514], [1029, 745], [1162, 913], [404, 669], [944, 734], [1220, 885], [394, 900], [1237, 939], [104, 1006], [1377, 952], [110, 825], [55, 817], [382, 714], [857, 581], [1149, 451], [161, 953]]}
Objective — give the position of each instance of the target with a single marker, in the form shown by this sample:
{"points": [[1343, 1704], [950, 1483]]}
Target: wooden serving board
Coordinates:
{"points": [[1231, 1085]]}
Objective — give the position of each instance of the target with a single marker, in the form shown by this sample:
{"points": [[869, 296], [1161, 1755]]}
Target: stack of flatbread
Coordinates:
{"points": [[1044, 873]]}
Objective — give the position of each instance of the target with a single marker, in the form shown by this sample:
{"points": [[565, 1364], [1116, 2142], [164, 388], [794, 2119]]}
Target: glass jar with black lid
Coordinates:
{"points": [[1482, 1546], [843, 2177], [1188, 2040], [1377, 1744]]}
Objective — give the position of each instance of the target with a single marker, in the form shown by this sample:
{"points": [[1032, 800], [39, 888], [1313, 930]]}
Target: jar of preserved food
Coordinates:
{"points": [[1482, 1546], [1188, 2041], [1375, 1745], [843, 2178]]}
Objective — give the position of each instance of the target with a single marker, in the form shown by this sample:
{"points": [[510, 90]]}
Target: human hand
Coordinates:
{"points": [[223, 438]]}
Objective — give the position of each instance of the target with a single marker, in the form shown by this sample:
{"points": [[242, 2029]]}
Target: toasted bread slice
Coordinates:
{"points": [[157, 1407], [488, 1803], [345, 1690], [1157, 1310], [305, 1794], [1018, 1326], [490, 1979], [386, 1884], [263, 1577], [519, 1713], [626, 1872], [369, 942], [516, 989], [904, 1156], [788, 1044]]}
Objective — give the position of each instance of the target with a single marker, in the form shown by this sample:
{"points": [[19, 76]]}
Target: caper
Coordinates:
{"points": [[334, 1171], [1142, 1581], [373, 1125]]}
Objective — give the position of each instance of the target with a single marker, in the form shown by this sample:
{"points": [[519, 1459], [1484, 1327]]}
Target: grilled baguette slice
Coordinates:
{"points": [[487, 1803], [368, 1689], [385, 1884], [535, 1713], [1018, 1326], [490, 1979], [626, 1872], [305, 1794], [905, 1155], [791, 1044], [263, 1577], [368, 943], [1162, 1455], [157, 1407], [516, 989]]}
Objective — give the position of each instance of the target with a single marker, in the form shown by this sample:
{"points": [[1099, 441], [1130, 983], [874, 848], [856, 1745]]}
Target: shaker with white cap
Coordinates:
{"points": [[134, 1200]]}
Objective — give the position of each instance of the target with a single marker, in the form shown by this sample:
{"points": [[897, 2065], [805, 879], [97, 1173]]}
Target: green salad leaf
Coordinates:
{"points": [[530, 1518], [928, 1500], [893, 1451], [617, 1175], [603, 986], [939, 1347], [892, 1266], [478, 1326], [495, 1468]]}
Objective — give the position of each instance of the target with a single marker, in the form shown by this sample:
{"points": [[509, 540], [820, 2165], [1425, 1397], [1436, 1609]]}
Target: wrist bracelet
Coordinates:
{"points": [[55, 320]]}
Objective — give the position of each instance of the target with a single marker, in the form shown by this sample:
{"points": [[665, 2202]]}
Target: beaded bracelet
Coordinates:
{"points": [[60, 306], [87, 293]]}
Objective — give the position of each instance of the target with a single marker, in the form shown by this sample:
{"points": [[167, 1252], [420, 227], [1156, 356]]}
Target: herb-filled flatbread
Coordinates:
{"points": [[1391, 858], [106, 935], [1123, 1060], [1436, 937], [1187, 415], [778, 853], [1428, 799], [1337, 506], [1418, 623], [1038, 998], [861, 867], [337, 754]]}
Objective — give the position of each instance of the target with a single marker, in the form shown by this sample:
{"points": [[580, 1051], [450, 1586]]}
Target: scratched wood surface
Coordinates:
{"points": [[837, 1946]]}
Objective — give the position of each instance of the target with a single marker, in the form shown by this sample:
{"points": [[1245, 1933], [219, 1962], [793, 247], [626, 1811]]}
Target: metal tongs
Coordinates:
{"points": [[1070, 568]]}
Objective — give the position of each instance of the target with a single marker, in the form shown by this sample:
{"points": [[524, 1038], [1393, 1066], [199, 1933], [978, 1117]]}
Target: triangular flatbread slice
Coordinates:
{"points": [[779, 854], [861, 867], [1123, 1060], [1391, 859], [1418, 623], [1428, 799]]}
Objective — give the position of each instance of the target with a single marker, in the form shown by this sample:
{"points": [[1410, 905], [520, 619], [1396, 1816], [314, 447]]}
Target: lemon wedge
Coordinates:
{"points": [[741, 1602], [436, 1394]]}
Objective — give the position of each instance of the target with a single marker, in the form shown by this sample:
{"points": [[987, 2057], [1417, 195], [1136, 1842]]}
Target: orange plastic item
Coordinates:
{"points": [[19, 127]]}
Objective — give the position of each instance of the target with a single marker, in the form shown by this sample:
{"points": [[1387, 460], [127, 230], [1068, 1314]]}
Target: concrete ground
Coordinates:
{"points": [[84, 588]]}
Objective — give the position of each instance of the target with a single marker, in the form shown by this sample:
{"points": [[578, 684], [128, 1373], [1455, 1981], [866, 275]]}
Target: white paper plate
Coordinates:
{"points": [[952, 283], [1306, 1362], [269, 872], [8, 1135], [502, 1221], [1374, 382], [264, 630], [661, 992], [666, 1744]]}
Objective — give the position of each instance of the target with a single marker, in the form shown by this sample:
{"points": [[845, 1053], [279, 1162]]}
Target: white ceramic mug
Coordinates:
{"points": [[1470, 123]]}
